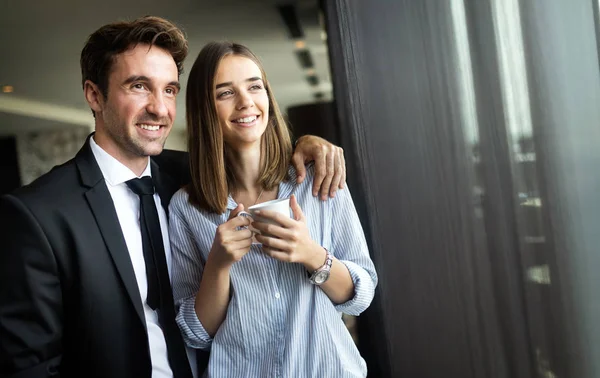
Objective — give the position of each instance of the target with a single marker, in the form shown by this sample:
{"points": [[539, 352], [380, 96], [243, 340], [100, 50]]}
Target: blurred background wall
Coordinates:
{"points": [[41, 98]]}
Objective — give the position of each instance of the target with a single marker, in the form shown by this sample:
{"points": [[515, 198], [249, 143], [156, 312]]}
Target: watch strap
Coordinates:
{"points": [[326, 267]]}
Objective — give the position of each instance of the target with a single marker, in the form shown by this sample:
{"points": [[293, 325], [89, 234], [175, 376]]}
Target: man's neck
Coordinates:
{"points": [[137, 164]]}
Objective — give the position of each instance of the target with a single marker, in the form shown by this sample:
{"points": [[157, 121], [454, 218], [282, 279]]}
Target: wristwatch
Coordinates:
{"points": [[319, 276]]}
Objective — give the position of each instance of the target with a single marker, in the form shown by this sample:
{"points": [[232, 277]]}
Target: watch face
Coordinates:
{"points": [[321, 277]]}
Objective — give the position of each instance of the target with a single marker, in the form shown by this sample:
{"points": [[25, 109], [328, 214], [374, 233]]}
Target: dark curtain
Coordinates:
{"points": [[471, 130], [10, 178]]}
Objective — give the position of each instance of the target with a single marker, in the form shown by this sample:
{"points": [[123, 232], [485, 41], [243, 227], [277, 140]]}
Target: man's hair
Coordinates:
{"points": [[101, 47], [210, 168]]}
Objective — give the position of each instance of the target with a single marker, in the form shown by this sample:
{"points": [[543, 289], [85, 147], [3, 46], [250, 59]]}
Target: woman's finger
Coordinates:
{"points": [[240, 235], [282, 220], [278, 255], [273, 230], [274, 243]]}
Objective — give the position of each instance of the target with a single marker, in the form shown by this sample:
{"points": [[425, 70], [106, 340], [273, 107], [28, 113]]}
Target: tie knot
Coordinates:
{"points": [[141, 186]]}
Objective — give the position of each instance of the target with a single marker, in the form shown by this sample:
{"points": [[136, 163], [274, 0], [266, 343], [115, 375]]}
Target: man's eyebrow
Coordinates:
{"points": [[176, 85], [251, 79], [134, 78]]}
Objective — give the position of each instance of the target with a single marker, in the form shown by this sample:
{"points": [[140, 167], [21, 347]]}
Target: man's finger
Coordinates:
{"points": [[343, 159], [320, 170], [329, 175], [336, 182], [298, 163]]}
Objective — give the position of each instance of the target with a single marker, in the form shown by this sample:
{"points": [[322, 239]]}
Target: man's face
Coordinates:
{"points": [[138, 113]]}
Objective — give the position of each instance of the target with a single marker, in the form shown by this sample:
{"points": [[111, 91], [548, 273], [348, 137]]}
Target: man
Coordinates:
{"points": [[79, 261]]}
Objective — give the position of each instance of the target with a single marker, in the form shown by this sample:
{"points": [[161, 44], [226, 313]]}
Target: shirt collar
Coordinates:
{"points": [[286, 188], [114, 171]]}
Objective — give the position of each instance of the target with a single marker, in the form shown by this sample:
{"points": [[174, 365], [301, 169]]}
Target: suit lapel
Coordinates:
{"points": [[165, 185], [102, 207]]}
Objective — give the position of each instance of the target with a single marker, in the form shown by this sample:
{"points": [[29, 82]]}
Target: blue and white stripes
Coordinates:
{"points": [[278, 324]]}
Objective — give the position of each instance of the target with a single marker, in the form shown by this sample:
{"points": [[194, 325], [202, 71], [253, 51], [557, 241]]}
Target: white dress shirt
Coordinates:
{"points": [[127, 205]]}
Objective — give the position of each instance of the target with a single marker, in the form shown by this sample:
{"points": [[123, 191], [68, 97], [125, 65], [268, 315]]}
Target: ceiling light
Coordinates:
{"points": [[7, 88], [305, 58], [300, 44]]}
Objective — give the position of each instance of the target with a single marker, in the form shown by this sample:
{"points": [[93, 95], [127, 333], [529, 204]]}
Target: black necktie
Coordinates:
{"points": [[160, 296]]}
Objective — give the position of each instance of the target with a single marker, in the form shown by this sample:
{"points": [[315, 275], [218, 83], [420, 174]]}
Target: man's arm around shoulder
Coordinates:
{"points": [[30, 296]]}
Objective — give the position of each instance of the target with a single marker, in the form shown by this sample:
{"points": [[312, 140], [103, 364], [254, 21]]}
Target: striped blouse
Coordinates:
{"points": [[278, 324]]}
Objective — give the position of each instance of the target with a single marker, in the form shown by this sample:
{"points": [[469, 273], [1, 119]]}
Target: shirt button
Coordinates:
{"points": [[277, 295]]}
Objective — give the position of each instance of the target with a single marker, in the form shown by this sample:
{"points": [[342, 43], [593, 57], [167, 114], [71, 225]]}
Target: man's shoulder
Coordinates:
{"points": [[172, 156], [175, 164], [51, 188]]}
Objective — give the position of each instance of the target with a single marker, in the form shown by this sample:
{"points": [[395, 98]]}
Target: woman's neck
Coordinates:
{"points": [[245, 165]]}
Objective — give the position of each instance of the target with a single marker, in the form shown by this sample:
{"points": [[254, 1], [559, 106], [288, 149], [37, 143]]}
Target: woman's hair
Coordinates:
{"points": [[210, 164]]}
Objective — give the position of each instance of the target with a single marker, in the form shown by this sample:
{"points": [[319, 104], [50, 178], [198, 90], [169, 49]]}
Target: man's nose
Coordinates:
{"points": [[157, 106]]}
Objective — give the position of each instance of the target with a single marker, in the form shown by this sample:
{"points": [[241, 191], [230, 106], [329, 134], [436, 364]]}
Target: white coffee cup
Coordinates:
{"points": [[281, 206]]}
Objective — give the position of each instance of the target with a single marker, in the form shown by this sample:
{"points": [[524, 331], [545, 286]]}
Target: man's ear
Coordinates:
{"points": [[93, 96]]}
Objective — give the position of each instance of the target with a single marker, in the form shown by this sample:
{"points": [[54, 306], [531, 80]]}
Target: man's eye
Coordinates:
{"points": [[138, 86]]}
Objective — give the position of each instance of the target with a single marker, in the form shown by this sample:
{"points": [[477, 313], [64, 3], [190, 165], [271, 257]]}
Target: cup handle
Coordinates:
{"points": [[247, 214]]}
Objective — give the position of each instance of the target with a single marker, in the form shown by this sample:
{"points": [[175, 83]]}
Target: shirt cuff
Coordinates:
{"points": [[193, 331], [364, 290]]}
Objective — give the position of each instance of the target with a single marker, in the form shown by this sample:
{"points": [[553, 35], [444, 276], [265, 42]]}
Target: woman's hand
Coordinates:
{"points": [[231, 243], [289, 241]]}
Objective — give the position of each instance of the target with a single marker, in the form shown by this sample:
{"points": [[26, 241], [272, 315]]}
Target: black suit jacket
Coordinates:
{"points": [[69, 301]]}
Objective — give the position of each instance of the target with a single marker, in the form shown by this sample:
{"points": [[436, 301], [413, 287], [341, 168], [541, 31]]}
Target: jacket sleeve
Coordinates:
{"points": [[30, 296]]}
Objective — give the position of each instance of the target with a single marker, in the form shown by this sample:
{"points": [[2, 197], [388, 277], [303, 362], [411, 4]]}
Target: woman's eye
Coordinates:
{"points": [[223, 94], [256, 87]]}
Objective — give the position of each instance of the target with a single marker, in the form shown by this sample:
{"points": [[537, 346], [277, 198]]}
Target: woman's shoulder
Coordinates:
{"points": [[180, 202], [293, 173], [181, 207], [292, 178], [180, 197]]}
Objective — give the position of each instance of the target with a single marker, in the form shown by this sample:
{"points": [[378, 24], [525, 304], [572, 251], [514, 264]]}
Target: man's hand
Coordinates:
{"points": [[330, 166]]}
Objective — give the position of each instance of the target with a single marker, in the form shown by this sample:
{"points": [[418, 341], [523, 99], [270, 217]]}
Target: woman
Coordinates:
{"points": [[266, 309]]}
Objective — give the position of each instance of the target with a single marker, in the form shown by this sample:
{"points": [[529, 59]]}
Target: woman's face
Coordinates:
{"points": [[241, 100]]}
